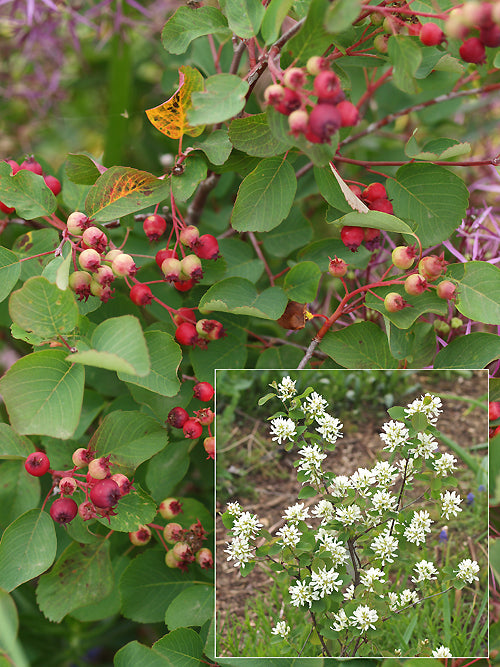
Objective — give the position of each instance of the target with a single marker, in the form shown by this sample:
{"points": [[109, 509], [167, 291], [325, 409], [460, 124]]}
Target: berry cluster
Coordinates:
{"points": [[30, 164], [494, 415], [193, 333], [192, 427], [375, 197], [102, 489], [316, 115], [477, 24]]}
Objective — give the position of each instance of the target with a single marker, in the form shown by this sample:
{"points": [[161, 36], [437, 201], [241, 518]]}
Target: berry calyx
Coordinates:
{"points": [[431, 34], [87, 511], [53, 184], [106, 493], [446, 290], [67, 486], [141, 294], [182, 551], [173, 532], [192, 429], [186, 334], [324, 121], [473, 51], [206, 247], [124, 484], [274, 94], [89, 260], [394, 302], [203, 391], [141, 536], [177, 417], [100, 468], [403, 257], [169, 508], [37, 464], [63, 510], [415, 284], [294, 77], [205, 416], [104, 275], [352, 237], [209, 445], [210, 329], [154, 226], [204, 558]]}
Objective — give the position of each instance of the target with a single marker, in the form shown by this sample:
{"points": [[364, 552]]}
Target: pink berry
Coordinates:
{"points": [[431, 34], [210, 329], [13, 165], [89, 260], [415, 284], [326, 85], [162, 255], [106, 493], [30, 164], [99, 468], [349, 114], [183, 285], [352, 237], [53, 184], [291, 102], [394, 302], [337, 267], [169, 508], [382, 205], [141, 536], [298, 122], [171, 269], [177, 417], [490, 36], [87, 511], [205, 416], [192, 429], [209, 445], [104, 275], [316, 64], [403, 256], [371, 234], [154, 226], [189, 236], [432, 266], [141, 294], [207, 247], [173, 532], [204, 558], [111, 255], [124, 265], [79, 282], [182, 551], [203, 391], [124, 484], [77, 223], [191, 268], [102, 292], [446, 290], [274, 94], [67, 486], [324, 121], [186, 334], [473, 51], [37, 464], [63, 510], [94, 238], [82, 457], [294, 77]]}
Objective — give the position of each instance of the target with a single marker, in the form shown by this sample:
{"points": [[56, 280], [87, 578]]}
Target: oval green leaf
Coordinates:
{"points": [[10, 270], [223, 98], [475, 350], [478, 290], [239, 296], [301, 282], [189, 23], [194, 606], [360, 345]]}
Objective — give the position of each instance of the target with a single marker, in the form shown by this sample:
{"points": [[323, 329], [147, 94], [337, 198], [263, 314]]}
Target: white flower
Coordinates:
{"points": [[426, 447], [383, 474], [349, 592], [302, 594], [338, 552], [329, 428], [393, 600], [364, 617], [467, 570], [246, 525], [290, 535], [429, 405], [340, 485], [420, 524], [385, 547], [325, 581], [325, 510], [444, 465], [314, 405], [370, 576], [311, 458], [450, 502], [407, 597], [425, 570], [395, 434], [286, 388], [239, 550], [281, 629], [296, 513], [348, 515], [442, 652], [341, 621], [282, 428], [383, 500], [234, 509]]}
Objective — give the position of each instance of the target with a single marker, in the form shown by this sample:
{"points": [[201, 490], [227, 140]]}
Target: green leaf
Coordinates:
{"points": [[273, 19], [118, 344], [228, 352], [406, 56], [436, 149], [179, 648], [123, 190], [239, 296], [58, 269], [216, 146], [241, 260], [34, 243], [265, 196], [223, 98], [26, 192], [244, 16], [189, 23], [312, 39], [82, 169], [478, 290], [475, 350], [375, 219], [294, 232], [360, 345], [166, 469], [253, 136], [19, 492], [148, 586], [42, 308], [43, 394], [13, 445], [109, 605], [10, 270], [129, 437], [135, 509], [81, 575], [301, 282], [193, 606], [330, 189], [417, 344], [284, 356], [27, 549], [195, 170], [431, 198], [11, 649], [428, 302], [341, 14], [165, 356]]}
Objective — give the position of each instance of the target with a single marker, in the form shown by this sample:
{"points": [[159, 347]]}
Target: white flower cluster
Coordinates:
{"points": [[418, 527], [429, 405], [363, 618], [286, 388], [281, 629], [450, 501], [245, 527], [282, 429], [395, 435], [312, 456], [314, 407], [405, 598]]}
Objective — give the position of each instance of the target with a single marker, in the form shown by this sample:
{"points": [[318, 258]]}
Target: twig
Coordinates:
{"points": [[195, 208]]}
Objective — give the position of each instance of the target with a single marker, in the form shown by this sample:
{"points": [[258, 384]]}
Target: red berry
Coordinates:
{"points": [[446, 290], [209, 445], [206, 247], [414, 28], [394, 302], [349, 114], [94, 238], [403, 256], [63, 510], [185, 315], [177, 417], [337, 267], [192, 429], [382, 205], [105, 493], [189, 236], [37, 464], [205, 416], [374, 191], [494, 410], [141, 294], [6, 209], [203, 391], [162, 255], [169, 508], [352, 237], [490, 36], [154, 226], [183, 285], [186, 334], [53, 184], [204, 558], [326, 85], [30, 164], [291, 102], [415, 284], [371, 234], [324, 120], [473, 51], [356, 190], [141, 536], [494, 432], [431, 34]]}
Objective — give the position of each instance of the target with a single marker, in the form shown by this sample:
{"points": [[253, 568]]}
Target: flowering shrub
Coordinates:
{"points": [[363, 551]]}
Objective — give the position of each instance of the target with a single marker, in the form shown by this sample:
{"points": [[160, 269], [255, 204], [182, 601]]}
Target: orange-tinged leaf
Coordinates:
{"points": [[170, 117]]}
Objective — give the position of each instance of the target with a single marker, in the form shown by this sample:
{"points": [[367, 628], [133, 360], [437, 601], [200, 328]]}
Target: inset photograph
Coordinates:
{"points": [[352, 513]]}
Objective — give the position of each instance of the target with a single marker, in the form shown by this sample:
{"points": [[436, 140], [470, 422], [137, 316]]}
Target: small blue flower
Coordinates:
{"points": [[443, 535], [482, 488], [470, 498]]}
